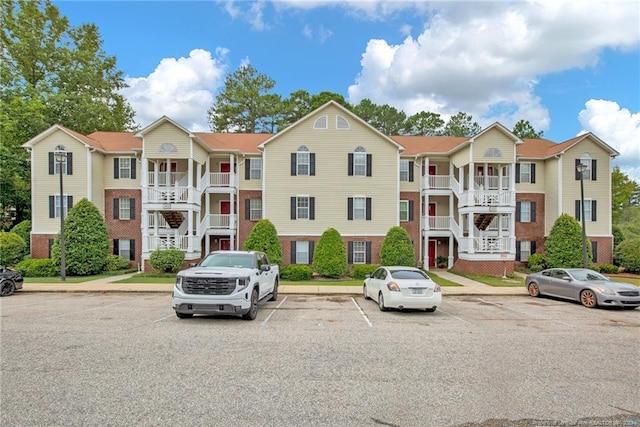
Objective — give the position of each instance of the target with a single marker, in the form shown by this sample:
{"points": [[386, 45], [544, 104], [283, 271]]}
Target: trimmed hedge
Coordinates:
{"points": [[166, 260], [628, 255], [535, 262], [117, 263], [397, 248], [40, 267], [296, 272], [264, 238], [23, 229], [330, 255], [12, 248], [608, 269], [563, 248], [360, 271]]}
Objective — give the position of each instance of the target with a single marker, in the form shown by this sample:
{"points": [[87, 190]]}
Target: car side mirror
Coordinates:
{"points": [[567, 278], [367, 276], [265, 267], [193, 264]]}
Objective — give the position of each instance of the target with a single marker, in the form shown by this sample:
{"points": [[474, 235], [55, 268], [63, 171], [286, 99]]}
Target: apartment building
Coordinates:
{"points": [[483, 204]]}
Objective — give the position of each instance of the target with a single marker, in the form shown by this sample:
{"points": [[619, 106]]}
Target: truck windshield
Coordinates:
{"points": [[229, 260]]}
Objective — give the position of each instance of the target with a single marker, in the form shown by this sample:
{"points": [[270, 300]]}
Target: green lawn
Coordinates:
{"points": [[512, 280], [633, 281]]}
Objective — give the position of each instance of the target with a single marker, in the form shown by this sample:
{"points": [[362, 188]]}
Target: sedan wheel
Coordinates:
{"points": [[588, 298], [533, 289], [8, 288], [381, 302], [364, 292]]}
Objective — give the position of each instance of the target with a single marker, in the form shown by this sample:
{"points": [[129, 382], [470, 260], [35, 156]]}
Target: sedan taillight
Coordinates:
{"points": [[393, 287]]}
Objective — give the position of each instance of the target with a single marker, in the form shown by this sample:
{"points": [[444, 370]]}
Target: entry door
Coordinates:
{"points": [[432, 209], [225, 244], [432, 253], [432, 169], [225, 167], [225, 207]]}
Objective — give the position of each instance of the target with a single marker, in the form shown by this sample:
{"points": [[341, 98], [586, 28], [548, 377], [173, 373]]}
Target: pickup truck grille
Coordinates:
{"points": [[209, 286]]}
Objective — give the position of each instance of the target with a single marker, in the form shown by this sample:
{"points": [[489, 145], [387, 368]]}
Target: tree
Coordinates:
{"points": [[523, 129], [294, 108], [627, 254], [424, 123], [366, 110], [23, 229], [397, 248], [330, 255], [12, 248], [319, 99], [563, 248], [264, 238], [51, 73], [245, 104], [389, 120], [461, 124], [622, 191], [86, 241]]}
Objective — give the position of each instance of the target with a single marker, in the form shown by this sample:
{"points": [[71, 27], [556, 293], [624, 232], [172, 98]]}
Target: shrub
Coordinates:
{"points": [[12, 248], [397, 248], [264, 238], [40, 267], [628, 254], [330, 255], [563, 248], [167, 260], [618, 236], [23, 230], [86, 241], [296, 272], [360, 271], [535, 262], [608, 269], [116, 263]]}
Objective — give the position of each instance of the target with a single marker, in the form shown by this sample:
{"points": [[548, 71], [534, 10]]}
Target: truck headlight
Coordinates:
{"points": [[242, 283]]}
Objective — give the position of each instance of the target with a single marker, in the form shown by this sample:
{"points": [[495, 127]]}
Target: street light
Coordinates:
{"points": [[60, 154], [581, 168]]}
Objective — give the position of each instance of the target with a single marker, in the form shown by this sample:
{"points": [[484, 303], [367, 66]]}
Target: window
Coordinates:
{"points": [[359, 163], [320, 123], [493, 152], [253, 169], [342, 123], [590, 210], [591, 164], [594, 251], [525, 211], [253, 209], [302, 252], [124, 167], [359, 208], [359, 252], [126, 248], [406, 210], [302, 207], [303, 162], [124, 208], [526, 173], [54, 205], [67, 164], [404, 170], [524, 249]]}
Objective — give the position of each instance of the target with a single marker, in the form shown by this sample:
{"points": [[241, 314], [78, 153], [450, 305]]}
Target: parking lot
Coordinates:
{"points": [[126, 359]]}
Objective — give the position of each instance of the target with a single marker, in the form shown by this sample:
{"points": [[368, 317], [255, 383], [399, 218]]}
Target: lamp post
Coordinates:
{"points": [[60, 154], [581, 168]]}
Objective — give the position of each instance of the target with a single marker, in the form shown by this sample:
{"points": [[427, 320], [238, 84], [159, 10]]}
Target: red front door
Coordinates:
{"points": [[225, 167], [432, 169], [432, 253], [432, 209], [225, 244], [225, 208]]}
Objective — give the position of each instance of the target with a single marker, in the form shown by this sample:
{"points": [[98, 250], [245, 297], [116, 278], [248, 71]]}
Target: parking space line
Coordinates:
{"points": [[366, 319], [525, 314], [456, 317], [264, 322]]}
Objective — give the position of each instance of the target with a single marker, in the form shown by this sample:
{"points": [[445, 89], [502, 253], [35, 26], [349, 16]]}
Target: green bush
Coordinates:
{"points": [[23, 230], [360, 271], [608, 269], [628, 254], [563, 248], [86, 241], [12, 248], [264, 238], [40, 267], [330, 255], [535, 262], [618, 236], [167, 260], [296, 272], [117, 263], [397, 248]]}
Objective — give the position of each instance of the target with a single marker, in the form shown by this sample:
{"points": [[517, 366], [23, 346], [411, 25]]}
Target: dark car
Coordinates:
{"points": [[581, 284], [10, 281]]}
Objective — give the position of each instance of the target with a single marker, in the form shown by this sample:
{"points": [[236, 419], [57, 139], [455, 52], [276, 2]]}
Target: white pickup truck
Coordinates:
{"points": [[226, 282]]}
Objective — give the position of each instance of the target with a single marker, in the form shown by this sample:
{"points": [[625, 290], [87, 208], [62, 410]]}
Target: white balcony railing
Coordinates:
{"points": [[217, 221], [165, 179], [220, 179], [492, 182], [491, 244]]}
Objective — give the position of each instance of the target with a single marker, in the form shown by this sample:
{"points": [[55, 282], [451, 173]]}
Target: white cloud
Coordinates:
{"points": [[182, 89], [486, 58], [619, 128]]}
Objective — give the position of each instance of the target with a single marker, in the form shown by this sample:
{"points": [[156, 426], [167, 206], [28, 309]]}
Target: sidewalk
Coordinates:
{"points": [[468, 287]]}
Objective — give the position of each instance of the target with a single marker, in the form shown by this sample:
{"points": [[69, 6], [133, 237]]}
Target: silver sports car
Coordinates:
{"points": [[581, 284]]}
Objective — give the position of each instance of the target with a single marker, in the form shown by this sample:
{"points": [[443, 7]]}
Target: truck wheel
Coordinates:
{"points": [[183, 315], [274, 294], [253, 310]]}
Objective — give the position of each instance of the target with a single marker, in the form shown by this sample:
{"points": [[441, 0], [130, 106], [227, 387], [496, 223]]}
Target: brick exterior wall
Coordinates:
{"points": [[376, 243], [531, 231], [494, 268], [605, 249], [412, 227], [40, 245], [124, 229], [245, 225]]}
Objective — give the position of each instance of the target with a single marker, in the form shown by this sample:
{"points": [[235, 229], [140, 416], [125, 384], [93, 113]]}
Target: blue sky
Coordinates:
{"points": [[566, 67]]}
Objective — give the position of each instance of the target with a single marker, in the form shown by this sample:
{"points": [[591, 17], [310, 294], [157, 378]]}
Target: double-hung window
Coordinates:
{"points": [[67, 164], [406, 210], [126, 248], [124, 167], [359, 208], [526, 173], [124, 208], [302, 253], [255, 168], [590, 171], [55, 207], [359, 163], [303, 162], [359, 252], [404, 170], [590, 210], [255, 209], [302, 207]]}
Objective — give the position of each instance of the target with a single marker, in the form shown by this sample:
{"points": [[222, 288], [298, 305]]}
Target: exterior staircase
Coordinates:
{"points": [[174, 218], [483, 220]]}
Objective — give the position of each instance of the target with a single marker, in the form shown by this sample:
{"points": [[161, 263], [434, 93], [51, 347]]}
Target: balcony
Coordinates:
{"points": [[166, 179], [170, 195], [219, 180], [217, 222], [487, 245]]}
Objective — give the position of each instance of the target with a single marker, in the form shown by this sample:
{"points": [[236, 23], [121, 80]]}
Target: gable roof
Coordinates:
{"points": [[544, 149], [85, 140], [240, 142]]}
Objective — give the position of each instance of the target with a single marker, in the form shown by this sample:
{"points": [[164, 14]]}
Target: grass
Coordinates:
{"points": [[633, 281], [73, 279], [441, 281], [512, 280]]}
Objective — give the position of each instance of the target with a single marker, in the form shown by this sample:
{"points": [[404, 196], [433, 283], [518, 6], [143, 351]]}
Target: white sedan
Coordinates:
{"points": [[402, 287]]}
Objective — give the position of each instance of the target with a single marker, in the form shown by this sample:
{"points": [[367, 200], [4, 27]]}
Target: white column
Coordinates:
{"points": [[450, 260]]}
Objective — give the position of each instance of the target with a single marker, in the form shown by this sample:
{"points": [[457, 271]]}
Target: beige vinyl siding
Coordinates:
{"points": [[462, 157], [251, 184], [199, 153], [167, 133], [593, 190], [541, 174], [97, 180], [552, 192], [107, 172], [331, 186], [494, 139], [442, 206], [417, 170], [45, 185]]}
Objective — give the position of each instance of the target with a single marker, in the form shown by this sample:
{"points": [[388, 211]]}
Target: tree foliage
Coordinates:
{"points": [[86, 241], [167, 260], [524, 129], [397, 248], [622, 191], [264, 238], [52, 73], [563, 248], [12, 248], [461, 124], [424, 123], [627, 255], [23, 230], [330, 255]]}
